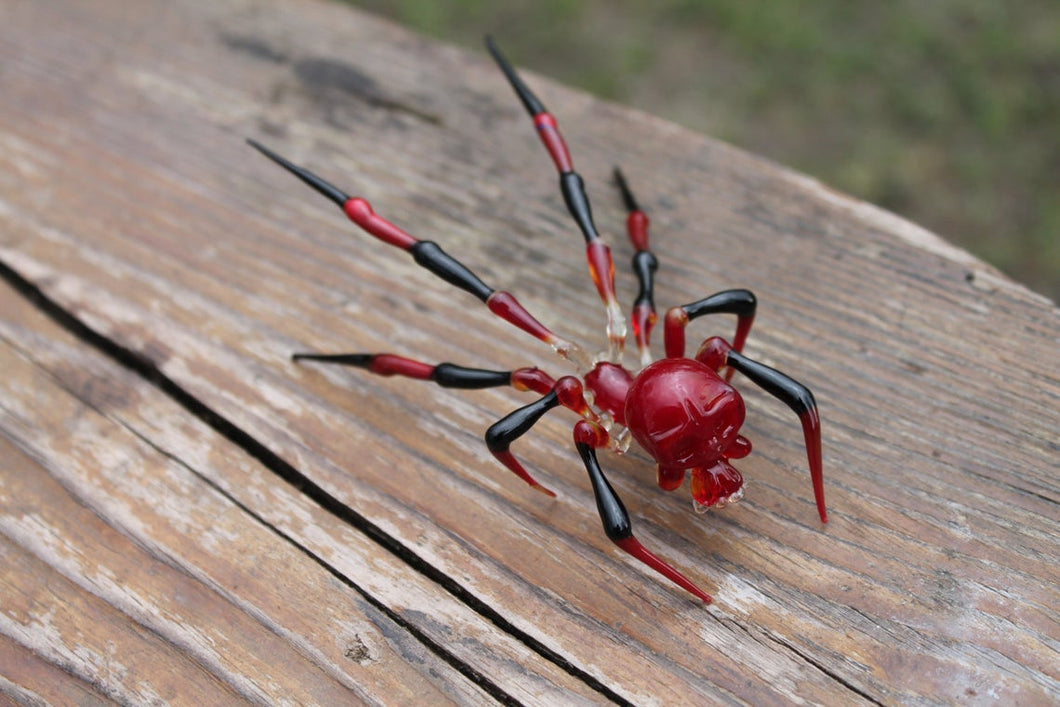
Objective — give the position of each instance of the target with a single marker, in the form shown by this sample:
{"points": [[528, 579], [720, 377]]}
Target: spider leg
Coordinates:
{"points": [[644, 266], [499, 437], [742, 303], [431, 257], [447, 375], [716, 352], [588, 437], [572, 186]]}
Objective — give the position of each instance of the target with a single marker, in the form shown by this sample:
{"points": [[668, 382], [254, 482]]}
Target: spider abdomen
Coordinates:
{"points": [[683, 414]]}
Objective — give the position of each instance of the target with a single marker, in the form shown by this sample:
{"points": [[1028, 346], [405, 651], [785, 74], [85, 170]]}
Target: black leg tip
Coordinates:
{"points": [[319, 185]]}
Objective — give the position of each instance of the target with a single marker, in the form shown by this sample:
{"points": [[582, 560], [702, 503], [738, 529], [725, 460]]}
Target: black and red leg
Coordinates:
{"points": [[567, 392], [588, 437], [572, 186], [742, 303], [431, 257], [718, 353], [447, 375], [645, 264]]}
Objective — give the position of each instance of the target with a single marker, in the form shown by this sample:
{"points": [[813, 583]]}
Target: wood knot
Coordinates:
{"points": [[358, 651]]}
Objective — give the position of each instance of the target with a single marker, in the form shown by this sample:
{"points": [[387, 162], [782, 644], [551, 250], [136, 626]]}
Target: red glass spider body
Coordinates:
{"points": [[682, 411]]}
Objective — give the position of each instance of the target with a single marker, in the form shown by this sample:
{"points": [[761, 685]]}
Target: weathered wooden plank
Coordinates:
{"points": [[136, 604], [60, 380], [28, 678], [130, 199], [70, 629]]}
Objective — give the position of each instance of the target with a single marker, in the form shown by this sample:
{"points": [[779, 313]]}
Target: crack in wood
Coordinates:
{"points": [[148, 371]]}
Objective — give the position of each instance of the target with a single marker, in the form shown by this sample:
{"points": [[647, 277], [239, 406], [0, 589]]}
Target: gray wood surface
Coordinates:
{"points": [[186, 516]]}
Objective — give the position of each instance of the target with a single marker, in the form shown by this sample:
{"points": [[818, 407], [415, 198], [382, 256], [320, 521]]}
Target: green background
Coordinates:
{"points": [[943, 111]]}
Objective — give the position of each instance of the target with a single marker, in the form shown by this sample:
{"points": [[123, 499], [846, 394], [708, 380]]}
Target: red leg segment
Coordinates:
{"points": [[548, 131]]}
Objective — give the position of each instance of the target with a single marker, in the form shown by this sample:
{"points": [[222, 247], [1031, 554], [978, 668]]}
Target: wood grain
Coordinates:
{"points": [[262, 515], [249, 574]]}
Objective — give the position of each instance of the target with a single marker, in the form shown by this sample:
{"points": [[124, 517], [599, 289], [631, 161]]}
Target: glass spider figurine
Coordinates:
{"points": [[682, 411]]}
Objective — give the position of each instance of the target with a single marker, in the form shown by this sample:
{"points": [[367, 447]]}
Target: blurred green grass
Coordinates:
{"points": [[946, 112]]}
